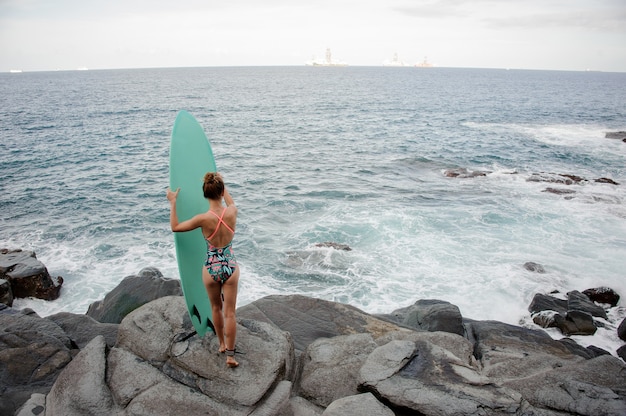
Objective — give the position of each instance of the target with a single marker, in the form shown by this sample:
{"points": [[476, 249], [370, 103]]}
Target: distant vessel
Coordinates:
{"points": [[424, 64], [82, 68], [327, 62], [16, 71], [394, 62]]}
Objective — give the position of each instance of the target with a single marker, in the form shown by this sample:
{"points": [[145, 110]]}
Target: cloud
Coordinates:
{"points": [[598, 20]]}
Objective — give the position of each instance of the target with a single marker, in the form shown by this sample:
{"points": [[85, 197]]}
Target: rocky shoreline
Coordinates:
{"points": [[135, 353]]}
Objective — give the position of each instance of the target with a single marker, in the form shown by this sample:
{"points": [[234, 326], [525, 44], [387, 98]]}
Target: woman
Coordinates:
{"points": [[220, 273]]}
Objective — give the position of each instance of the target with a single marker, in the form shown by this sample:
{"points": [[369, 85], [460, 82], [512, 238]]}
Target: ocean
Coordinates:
{"points": [[354, 155]]}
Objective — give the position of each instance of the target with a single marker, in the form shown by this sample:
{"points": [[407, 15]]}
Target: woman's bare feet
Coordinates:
{"points": [[222, 348], [230, 359]]}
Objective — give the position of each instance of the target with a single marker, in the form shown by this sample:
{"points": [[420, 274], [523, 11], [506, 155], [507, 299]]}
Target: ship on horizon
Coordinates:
{"points": [[424, 63], [326, 62]]}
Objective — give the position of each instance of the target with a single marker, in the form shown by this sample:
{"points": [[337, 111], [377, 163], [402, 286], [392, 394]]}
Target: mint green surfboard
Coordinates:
{"points": [[190, 158]]}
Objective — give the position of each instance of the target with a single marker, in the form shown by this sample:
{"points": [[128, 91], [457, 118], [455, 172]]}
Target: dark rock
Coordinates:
{"points": [[33, 352], [534, 267], [6, 294], [543, 302], [82, 328], [432, 315], [576, 323], [28, 276], [133, 292], [564, 179], [603, 295], [586, 352], [620, 135], [621, 330], [559, 191], [621, 352], [598, 351], [606, 180], [545, 319], [336, 246], [577, 301], [463, 173]]}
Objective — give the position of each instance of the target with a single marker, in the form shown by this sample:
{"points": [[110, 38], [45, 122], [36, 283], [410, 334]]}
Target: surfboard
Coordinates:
{"points": [[191, 157]]}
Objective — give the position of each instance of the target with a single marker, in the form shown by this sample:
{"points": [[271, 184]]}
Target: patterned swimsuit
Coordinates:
{"points": [[220, 261]]}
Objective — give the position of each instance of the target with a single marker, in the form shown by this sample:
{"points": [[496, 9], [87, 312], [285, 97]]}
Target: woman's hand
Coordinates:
{"points": [[171, 196]]}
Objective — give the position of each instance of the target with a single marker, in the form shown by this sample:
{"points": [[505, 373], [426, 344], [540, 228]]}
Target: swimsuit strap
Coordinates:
{"points": [[219, 222]]}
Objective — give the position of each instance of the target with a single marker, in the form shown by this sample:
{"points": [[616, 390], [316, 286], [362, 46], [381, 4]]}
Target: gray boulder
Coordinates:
{"points": [[28, 276], [33, 352], [510, 352], [82, 329], [77, 392], [430, 380], [132, 292], [157, 368], [358, 405], [431, 315], [591, 387], [330, 367], [308, 319]]}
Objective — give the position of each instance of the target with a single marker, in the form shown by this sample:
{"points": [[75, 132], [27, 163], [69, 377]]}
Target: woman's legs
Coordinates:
{"points": [[229, 289], [224, 318]]}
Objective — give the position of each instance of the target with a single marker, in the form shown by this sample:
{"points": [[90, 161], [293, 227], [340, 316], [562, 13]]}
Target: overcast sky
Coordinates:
{"points": [[528, 34]]}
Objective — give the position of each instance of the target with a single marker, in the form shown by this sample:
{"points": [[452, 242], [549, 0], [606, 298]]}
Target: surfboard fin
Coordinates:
{"points": [[210, 325]]}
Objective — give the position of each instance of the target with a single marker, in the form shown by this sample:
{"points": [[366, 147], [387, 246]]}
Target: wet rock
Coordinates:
{"points": [[606, 180], [28, 276], [558, 191], [6, 294], [133, 292], [621, 330], [564, 179], [463, 173], [577, 301], [620, 135], [336, 246], [534, 267], [576, 323], [604, 295], [542, 302]]}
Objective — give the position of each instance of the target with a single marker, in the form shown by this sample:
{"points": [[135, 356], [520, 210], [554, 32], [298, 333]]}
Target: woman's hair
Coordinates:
{"points": [[213, 186]]}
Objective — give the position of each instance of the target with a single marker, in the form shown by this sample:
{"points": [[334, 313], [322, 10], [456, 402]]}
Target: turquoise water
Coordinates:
{"points": [[351, 155]]}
